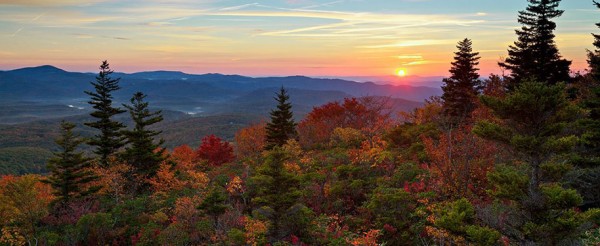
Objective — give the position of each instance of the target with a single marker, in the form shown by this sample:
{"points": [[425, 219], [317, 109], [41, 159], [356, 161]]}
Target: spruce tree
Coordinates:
{"points": [[141, 148], [69, 169], [282, 126], [110, 139], [534, 55], [463, 86]]}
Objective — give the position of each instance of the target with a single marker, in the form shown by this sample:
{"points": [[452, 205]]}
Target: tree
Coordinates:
{"points": [[534, 119], [70, 170], [250, 141], [110, 139], [463, 86], [142, 152], [282, 126], [534, 55], [594, 56], [276, 191], [215, 151]]}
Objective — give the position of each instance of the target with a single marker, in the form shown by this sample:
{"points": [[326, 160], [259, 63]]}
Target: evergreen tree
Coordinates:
{"points": [[535, 117], [276, 192], [110, 139], [141, 151], [69, 169], [594, 56], [463, 86], [534, 55], [282, 126]]}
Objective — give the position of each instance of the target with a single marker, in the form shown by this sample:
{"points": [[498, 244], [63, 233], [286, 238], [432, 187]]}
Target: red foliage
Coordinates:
{"points": [[215, 151], [459, 163]]}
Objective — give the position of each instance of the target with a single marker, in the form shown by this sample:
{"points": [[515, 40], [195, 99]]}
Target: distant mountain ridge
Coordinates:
{"points": [[198, 95]]}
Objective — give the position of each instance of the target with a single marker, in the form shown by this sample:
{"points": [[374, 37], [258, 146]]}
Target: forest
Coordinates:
{"points": [[503, 160]]}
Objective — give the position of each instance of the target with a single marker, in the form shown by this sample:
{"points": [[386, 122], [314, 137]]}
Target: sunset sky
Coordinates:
{"points": [[273, 37]]}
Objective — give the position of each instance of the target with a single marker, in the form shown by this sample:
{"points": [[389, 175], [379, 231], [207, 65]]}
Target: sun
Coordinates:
{"points": [[401, 72]]}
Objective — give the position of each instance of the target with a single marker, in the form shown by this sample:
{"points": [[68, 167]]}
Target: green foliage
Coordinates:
{"points": [[70, 170], [110, 139], [558, 197], [276, 191], [282, 126], [141, 152], [455, 216], [484, 236], [23, 160], [95, 228], [508, 183]]}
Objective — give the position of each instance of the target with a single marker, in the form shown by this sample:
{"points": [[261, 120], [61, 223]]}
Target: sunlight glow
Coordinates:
{"points": [[401, 72]]}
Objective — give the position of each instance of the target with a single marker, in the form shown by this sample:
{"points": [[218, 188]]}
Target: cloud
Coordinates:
{"points": [[46, 2], [411, 43]]}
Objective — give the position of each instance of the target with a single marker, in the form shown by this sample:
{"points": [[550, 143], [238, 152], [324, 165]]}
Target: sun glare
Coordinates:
{"points": [[401, 72]]}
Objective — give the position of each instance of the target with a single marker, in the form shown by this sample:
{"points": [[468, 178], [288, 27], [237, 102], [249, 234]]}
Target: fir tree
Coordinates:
{"points": [[70, 173], [110, 139], [282, 126], [463, 86], [141, 151], [534, 55]]}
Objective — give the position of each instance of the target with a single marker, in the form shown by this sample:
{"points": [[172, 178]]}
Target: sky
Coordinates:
{"points": [[274, 37]]}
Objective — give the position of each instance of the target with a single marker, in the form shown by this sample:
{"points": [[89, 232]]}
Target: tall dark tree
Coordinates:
{"points": [[282, 126], [534, 55], [69, 169], [110, 139], [463, 86], [141, 151], [594, 56]]}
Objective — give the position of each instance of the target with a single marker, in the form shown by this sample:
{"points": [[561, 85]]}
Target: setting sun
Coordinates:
{"points": [[401, 72]]}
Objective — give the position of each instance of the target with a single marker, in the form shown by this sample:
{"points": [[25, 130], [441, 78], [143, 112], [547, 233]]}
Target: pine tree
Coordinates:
{"points": [[110, 139], [594, 56], [282, 126], [463, 86], [534, 55], [70, 173], [141, 152]]}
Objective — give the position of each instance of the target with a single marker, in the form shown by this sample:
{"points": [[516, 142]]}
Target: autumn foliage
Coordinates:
{"points": [[215, 151]]}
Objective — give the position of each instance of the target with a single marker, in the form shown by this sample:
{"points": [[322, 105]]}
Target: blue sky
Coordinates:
{"points": [[283, 37]]}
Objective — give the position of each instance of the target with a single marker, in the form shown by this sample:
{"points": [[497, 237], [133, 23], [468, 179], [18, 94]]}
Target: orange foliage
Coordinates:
{"points": [[368, 114], [113, 180], [184, 156], [165, 180], [255, 231], [459, 163], [251, 141], [24, 201], [368, 239]]}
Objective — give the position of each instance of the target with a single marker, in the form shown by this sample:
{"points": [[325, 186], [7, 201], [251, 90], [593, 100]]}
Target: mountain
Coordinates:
{"points": [[35, 93]]}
